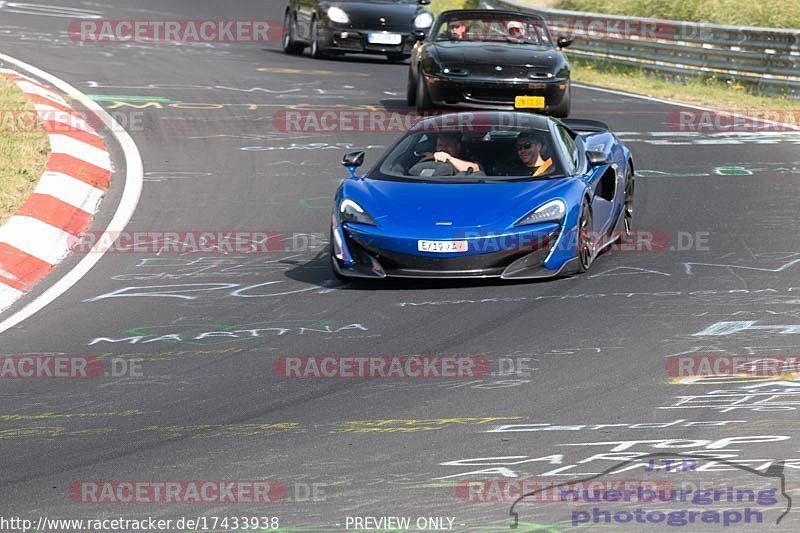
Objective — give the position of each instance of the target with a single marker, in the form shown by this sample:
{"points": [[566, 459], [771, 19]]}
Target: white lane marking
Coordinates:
{"points": [[25, 8], [64, 144], [70, 190], [134, 174], [36, 238], [679, 104], [32, 88]]}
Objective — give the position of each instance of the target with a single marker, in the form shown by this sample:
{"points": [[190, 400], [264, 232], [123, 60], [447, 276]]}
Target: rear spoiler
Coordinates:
{"points": [[579, 124]]}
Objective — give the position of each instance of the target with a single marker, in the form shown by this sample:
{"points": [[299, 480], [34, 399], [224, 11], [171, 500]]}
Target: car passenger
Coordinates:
{"points": [[530, 158], [516, 30]]}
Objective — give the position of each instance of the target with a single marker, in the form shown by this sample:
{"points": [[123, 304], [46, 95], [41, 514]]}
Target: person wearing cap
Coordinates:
{"points": [[516, 30], [530, 162]]}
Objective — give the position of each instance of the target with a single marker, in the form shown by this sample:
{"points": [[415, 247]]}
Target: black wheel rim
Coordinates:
{"points": [[628, 207], [584, 239]]}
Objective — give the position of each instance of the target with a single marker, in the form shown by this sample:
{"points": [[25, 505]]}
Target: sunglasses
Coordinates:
{"points": [[526, 146]]}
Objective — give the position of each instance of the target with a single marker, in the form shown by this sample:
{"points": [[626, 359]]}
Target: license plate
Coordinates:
{"points": [[529, 102], [385, 38], [442, 246]]}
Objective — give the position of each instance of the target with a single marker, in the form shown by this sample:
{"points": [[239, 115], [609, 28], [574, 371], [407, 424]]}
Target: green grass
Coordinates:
{"points": [[23, 148], [709, 92], [437, 6], [768, 13]]}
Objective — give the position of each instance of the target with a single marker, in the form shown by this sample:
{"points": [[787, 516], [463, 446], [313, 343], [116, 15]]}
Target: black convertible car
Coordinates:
{"points": [[489, 59], [358, 26]]}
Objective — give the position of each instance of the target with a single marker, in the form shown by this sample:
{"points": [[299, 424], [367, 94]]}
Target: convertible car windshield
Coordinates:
{"points": [[492, 28], [498, 154]]}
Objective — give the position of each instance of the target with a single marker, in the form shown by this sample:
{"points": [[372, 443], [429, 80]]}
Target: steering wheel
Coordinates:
{"points": [[428, 166]]}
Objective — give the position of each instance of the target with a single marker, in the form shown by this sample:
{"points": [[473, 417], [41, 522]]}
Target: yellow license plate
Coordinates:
{"points": [[529, 102]]}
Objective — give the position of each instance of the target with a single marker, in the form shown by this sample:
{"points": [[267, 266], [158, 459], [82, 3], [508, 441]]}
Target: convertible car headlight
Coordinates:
{"points": [[337, 15], [423, 20], [349, 211], [551, 211]]}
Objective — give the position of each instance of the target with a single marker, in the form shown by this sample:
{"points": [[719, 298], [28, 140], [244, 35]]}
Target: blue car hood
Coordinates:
{"points": [[465, 205]]}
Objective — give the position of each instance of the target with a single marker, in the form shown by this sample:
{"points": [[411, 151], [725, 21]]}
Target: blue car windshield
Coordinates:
{"points": [[502, 154]]}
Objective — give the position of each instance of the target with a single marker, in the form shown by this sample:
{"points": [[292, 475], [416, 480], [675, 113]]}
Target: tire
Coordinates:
{"points": [[627, 208], [411, 90], [290, 46], [423, 100], [585, 246], [397, 58], [316, 51], [563, 108]]}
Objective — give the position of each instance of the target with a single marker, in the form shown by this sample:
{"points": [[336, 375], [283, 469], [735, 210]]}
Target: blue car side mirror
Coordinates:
{"points": [[597, 157], [353, 160]]}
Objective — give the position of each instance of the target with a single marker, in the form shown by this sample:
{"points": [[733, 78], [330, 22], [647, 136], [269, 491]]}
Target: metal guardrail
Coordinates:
{"points": [[764, 58]]}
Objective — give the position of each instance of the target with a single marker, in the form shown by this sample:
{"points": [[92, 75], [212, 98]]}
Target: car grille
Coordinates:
{"points": [[492, 96], [395, 261]]}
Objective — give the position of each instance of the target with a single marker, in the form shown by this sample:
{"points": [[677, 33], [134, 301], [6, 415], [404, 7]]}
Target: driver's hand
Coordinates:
{"points": [[441, 157]]}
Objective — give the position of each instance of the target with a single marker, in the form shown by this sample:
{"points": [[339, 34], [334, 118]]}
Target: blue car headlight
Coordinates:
{"points": [[552, 211], [338, 15], [349, 211]]}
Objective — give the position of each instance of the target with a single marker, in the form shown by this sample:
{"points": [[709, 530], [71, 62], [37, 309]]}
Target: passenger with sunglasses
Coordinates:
{"points": [[531, 159], [516, 30]]}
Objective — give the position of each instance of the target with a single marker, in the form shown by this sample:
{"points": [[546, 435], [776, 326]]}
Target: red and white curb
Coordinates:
{"points": [[61, 207]]}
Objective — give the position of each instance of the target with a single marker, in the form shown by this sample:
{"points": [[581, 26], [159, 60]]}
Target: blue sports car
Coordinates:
{"points": [[487, 194]]}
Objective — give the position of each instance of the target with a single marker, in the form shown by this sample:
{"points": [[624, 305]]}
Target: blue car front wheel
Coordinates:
{"points": [[585, 245]]}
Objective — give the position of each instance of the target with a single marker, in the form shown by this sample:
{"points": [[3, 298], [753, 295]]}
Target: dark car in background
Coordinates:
{"points": [[489, 59], [383, 27]]}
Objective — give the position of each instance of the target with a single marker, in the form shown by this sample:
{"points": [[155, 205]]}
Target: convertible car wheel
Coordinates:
{"points": [[411, 90], [585, 246], [562, 109], [289, 45], [423, 100]]}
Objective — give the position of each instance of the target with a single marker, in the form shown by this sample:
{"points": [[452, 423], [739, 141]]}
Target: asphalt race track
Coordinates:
{"points": [[567, 355]]}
